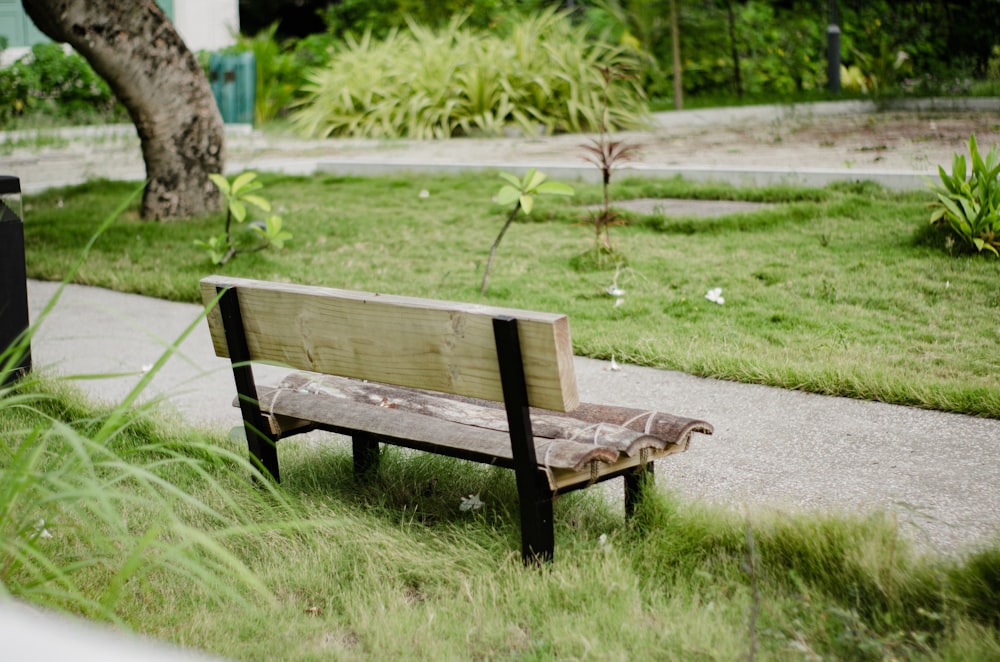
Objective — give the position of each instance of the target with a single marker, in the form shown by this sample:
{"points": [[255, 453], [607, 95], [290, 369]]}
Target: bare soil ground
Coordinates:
{"points": [[917, 141], [769, 138]]}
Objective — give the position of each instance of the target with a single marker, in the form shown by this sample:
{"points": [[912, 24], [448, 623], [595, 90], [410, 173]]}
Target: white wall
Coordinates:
{"points": [[204, 25], [207, 25]]}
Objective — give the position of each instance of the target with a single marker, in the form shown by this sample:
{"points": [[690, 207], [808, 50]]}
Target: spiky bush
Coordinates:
{"points": [[545, 75]]}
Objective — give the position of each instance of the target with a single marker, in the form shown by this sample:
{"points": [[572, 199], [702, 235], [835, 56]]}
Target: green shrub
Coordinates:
{"points": [[55, 83], [970, 202], [422, 83], [278, 74]]}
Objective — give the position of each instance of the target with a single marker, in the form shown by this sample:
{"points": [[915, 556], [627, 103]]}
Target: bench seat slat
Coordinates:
{"points": [[481, 444], [477, 430], [624, 430]]}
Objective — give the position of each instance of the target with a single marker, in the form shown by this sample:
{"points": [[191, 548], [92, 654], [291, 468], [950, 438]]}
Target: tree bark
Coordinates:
{"points": [[737, 81], [135, 48], [675, 38]]}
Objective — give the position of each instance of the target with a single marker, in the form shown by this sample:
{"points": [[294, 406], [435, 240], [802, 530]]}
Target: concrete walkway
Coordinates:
{"points": [[773, 449]]}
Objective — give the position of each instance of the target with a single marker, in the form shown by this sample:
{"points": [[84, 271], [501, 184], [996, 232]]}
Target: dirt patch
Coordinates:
{"points": [[889, 141]]}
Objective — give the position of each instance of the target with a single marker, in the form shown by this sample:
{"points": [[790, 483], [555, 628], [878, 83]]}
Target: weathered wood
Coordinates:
{"points": [[570, 463], [437, 345], [426, 433], [663, 429]]}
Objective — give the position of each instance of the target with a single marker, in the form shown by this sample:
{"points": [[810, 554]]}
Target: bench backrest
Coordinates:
{"points": [[422, 343]]}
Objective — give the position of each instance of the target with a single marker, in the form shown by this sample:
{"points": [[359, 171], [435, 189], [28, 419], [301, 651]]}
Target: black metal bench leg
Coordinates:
{"points": [[366, 457], [533, 491], [635, 482], [535, 500], [263, 449], [261, 443], [537, 537]]}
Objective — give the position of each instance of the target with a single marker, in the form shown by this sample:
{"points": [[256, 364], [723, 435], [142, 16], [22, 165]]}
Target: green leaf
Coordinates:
{"points": [[949, 182], [514, 181], [238, 210], [977, 162], [950, 206], [958, 168], [969, 207], [508, 195], [533, 179], [555, 188], [242, 181], [273, 224], [220, 182], [257, 201], [527, 203]]}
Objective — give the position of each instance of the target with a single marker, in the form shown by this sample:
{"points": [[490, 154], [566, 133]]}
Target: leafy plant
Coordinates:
{"points": [[425, 83], [607, 154], [238, 195], [521, 193], [278, 74], [969, 202], [57, 84], [88, 511]]}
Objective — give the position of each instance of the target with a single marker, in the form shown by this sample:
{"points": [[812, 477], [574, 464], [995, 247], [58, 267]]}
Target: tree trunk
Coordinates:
{"points": [[675, 38], [135, 48], [737, 81]]}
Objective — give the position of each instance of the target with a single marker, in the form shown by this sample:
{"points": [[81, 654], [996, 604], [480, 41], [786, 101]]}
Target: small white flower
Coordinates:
{"points": [[147, 367], [614, 290], [603, 540], [715, 295], [424, 194], [41, 531], [947, 284], [471, 502], [619, 301]]}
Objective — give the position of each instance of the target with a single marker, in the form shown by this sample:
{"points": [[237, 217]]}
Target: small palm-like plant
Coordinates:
{"points": [[607, 155], [969, 202]]}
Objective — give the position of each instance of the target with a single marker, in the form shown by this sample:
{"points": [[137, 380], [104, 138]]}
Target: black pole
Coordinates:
{"points": [[13, 289], [833, 50]]}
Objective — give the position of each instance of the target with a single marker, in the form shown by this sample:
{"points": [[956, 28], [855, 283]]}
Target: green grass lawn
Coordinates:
{"points": [[158, 528], [840, 291], [120, 516]]}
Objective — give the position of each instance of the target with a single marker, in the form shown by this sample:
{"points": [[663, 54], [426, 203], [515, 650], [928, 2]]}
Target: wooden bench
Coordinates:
{"points": [[450, 378]]}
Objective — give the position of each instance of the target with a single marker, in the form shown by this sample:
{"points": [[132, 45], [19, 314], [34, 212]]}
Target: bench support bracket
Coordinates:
{"points": [[262, 446], [533, 491], [365, 450], [635, 483]]}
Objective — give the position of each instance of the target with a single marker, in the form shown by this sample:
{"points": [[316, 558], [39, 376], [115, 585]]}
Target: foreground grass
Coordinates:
{"points": [[838, 291], [395, 570]]}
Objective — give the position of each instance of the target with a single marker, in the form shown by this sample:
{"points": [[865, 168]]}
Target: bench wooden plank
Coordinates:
{"points": [[645, 429], [423, 432], [437, 345]]}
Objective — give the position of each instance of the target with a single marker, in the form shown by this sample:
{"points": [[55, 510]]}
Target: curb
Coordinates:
{"points": [[814, 178]]}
